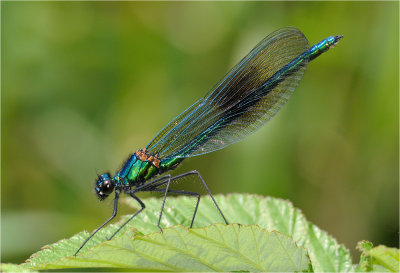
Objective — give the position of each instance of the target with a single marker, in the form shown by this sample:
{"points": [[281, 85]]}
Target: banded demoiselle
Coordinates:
{"points": [[247, 97]]}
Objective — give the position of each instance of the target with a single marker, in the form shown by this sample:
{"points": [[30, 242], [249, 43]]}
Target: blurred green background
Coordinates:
{"points": [[84, 84]]}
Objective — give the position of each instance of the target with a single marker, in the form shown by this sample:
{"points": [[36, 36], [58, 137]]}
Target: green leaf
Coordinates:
{"points": [[378, 259], [14, 268], [365, 264], [213, 248], [385, 257], [268, 213]]}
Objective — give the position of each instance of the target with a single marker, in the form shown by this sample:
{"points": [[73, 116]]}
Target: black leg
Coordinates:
{"points": [[153, 187], [183, 193], [153, 184], [131, 193], [105, 223], [133, 216], [163, 203], [194, 172]]}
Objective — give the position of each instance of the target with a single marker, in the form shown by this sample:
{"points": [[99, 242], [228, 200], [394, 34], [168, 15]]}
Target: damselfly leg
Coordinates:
{"points": [[155, 187], [132, 194], [117, 192], [142, 205], [179, 192]]}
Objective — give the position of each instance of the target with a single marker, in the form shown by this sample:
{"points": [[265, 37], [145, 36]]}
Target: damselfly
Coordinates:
{"points": [[248, 96]]}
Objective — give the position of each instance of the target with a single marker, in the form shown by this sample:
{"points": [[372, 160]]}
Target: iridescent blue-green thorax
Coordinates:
{"points": [[141, 167]]}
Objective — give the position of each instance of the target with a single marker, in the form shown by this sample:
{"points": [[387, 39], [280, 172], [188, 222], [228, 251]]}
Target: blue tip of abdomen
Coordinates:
{"points": [[323, 46]]}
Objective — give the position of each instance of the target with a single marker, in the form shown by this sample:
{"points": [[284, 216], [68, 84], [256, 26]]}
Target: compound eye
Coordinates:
{"points": [[107, 187]]}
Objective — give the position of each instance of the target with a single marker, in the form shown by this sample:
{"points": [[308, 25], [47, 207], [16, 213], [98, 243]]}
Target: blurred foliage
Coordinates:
{"points": [[86, 83]]}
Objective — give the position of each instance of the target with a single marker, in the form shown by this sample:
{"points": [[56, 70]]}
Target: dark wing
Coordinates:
{"points": [[250, 95]]}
